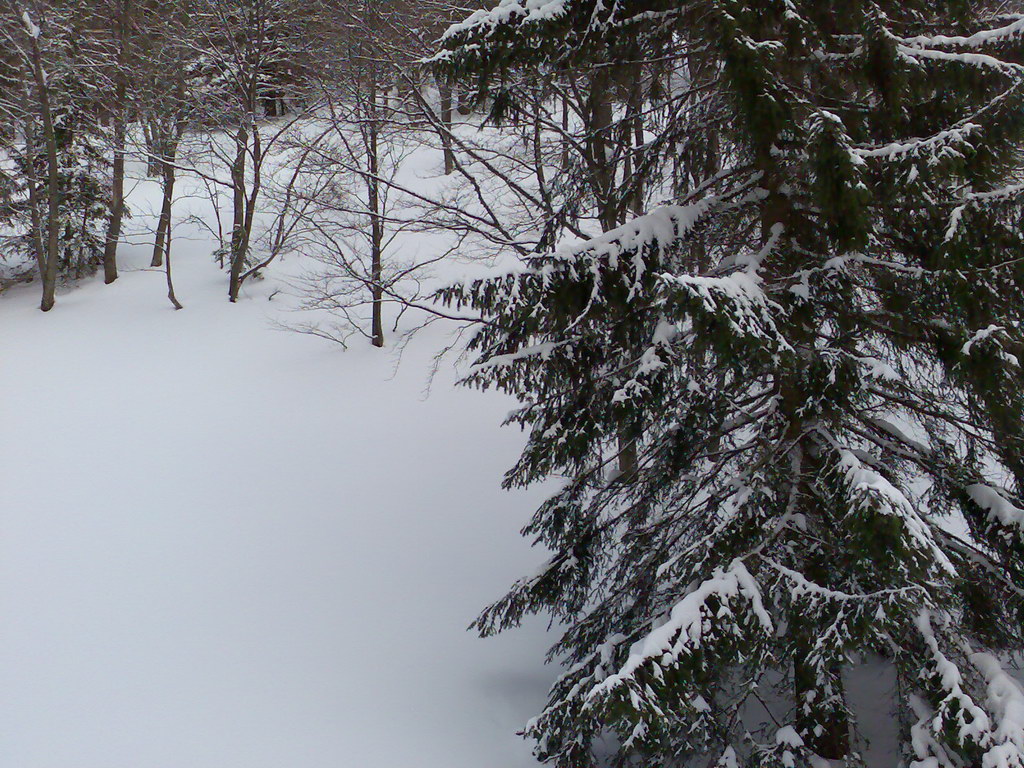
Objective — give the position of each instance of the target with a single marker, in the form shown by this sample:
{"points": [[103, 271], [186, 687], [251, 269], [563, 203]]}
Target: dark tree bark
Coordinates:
{"points": [[53, 197], [119, 120], [168, 169], [445, 89], [376, 226], [238, 239], [116, 202], [163, 227]]}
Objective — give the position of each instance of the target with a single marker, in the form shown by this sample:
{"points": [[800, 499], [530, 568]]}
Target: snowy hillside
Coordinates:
{"points": [[230, 546]]}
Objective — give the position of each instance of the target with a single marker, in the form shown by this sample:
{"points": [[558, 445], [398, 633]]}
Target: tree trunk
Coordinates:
{"points": [[163, 227], [152, 151], [821, 717], [446, 126], [238, 242], [116, 198], [117, 171], [376, 231], [537, 97], [168, 194], [602, 168], [53, 197], [603, 171], [34, 203], [565, 133], [464, 103], [245, 204], [628, 461], [637, 125]]}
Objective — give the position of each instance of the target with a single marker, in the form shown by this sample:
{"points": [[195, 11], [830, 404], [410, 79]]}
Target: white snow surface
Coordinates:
{"points": [[226, 545], [223, 545], [505, 11]]}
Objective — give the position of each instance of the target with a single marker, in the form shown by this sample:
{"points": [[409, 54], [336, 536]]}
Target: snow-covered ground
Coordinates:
{"points": [[223, 545], [227, 545]]}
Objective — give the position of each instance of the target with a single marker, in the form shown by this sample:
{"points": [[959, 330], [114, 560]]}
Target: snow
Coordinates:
{"points": [[979, 60], [684, 629], [658, 228], [972, 720], [230, 546], [868, 489], [787, 736], [991, 332], [505, 12], [1006, 700], [979, 39], [30, 26], [998, 508], [543, 350], [945, 138]]}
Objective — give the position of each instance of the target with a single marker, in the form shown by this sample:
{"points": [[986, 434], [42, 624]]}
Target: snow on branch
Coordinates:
{"points": [[543, 350], [870, 490], [980, 60], [30, 26], [825, 122], [996, 725], [972, 722], [915, 147], [1005, 701], [689, 621], [991, 335], [984, 333], [659, 228], [505, 12], [1003, 193], [1012, 31], [999, 509], [993, 195], [804, 587], [738, 296]]}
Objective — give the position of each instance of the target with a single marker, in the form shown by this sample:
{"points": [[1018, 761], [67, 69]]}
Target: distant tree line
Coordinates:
{"points": [[86, 83]]}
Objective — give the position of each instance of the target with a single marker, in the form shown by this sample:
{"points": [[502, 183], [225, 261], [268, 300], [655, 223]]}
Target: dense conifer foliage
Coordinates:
{"points": [[54, 188], [804, 362]]}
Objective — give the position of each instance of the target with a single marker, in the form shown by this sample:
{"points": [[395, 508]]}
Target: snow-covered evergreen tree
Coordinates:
{"points": [[80, 186], [814, 350], [84, 190]]}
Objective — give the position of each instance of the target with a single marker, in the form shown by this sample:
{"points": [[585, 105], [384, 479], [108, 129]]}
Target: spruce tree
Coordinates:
{"points": [[84, 181], [813, 347], [79, 184]]}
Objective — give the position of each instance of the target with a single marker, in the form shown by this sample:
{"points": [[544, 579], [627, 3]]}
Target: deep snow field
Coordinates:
{"points": [[227, 545]]}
